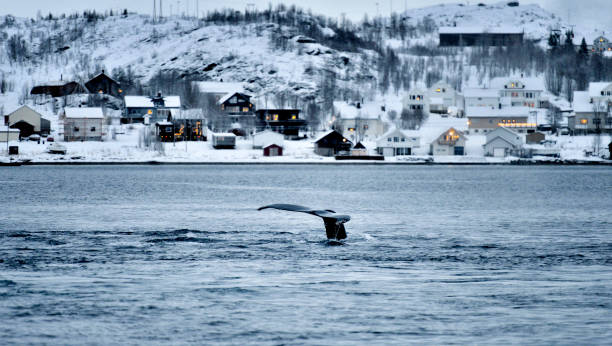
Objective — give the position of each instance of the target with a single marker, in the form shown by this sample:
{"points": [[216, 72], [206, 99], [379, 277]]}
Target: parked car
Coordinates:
{"points": [[56, 148], [50, 139], [34, 137]]}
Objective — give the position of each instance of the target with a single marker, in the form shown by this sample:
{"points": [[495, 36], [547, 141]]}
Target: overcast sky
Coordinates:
{"points": [[582, 10]]}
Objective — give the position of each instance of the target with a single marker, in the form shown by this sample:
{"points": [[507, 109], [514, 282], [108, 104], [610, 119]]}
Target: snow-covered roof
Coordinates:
{"points": [[480, 30], [55, 83], [219, 87], [323, 135], [405, 133], [4, 128], [227, 134], [483, 112], [596, 88], [165, 122], [530, 83], [350, 111], [84, 112], [436, 100], [228, 96], [506, 134], [475, 92], [145, 102]]}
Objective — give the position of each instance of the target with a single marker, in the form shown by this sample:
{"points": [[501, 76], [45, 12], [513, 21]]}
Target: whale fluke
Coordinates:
{"points": [[334, 223]]}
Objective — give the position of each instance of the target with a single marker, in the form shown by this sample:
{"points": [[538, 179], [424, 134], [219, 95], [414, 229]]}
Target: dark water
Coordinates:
{"points": [[179, 255]]}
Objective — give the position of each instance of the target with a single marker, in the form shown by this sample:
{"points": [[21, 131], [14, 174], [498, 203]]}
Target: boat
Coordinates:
{"points": [[56, 148]]}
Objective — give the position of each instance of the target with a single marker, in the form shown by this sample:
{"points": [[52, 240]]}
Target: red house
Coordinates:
{"points": [[273, 150]]}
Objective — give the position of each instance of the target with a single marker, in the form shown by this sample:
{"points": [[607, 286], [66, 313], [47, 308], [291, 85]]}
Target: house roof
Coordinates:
{"points": [[531, 83], [145, 102], [219, 87], [349, 111], [476, 92], [582, 102], [83, 112], [485, 112], [596, 88], [226, 134], [4, 129], [405, 133], [24, 106], [229, 96], [329, 133], [506, 134], [480, 30], [359, 146]]}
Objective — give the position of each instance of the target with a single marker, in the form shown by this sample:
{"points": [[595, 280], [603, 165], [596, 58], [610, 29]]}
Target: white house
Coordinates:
{"points": [[451, 142], [481, 98], [417, 99], [486, 119], [396, 142], [442, 97], [360, 122], [502, 142], [520, 91], [266, 138], [592, 109]]}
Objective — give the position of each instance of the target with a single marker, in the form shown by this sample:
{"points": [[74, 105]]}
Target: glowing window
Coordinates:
{"points": [[275, 117], [583, 121], [245, 109], [293, 117]]}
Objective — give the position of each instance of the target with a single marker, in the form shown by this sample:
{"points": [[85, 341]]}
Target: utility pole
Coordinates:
{"points": [[154, 10], [161, 12]]}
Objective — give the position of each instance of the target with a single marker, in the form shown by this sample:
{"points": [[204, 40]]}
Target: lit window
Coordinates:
{"points": [[267, 117], [275, 117], [149, 112], [583, 121], [245, 109], [438, 90], [293, 117]]}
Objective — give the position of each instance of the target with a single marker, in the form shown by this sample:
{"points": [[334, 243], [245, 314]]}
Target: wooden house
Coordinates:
{"points": [[451, 142], [486, 119], [103, 84], [592, 109], [273, 150], [58, 89], [332, 143], [158, 108], [28, 121], [165, 131], [358, 121], [502, 142], [285, 121], [83, 124]]}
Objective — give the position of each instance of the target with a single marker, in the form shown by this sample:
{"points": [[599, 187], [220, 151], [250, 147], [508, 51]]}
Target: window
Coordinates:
{"points": [[583, 121], [403, 139], [608, 121], [365, 127], [76, 129], [92, 129], [245, 109], [267, 117], [234, 100], [293, 117], [395, 139], [389, 139], [275, 117], [168, 130]]}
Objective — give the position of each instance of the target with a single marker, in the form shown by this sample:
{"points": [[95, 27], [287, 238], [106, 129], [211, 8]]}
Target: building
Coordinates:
{"points": [[442, 98], [285, 121], [417, 99], [479, 36], [224, 140], [451, 142], [238, 108], [267, 137], [481, 98], [486, 119], [592, 109], [165, 131], [273, 150], [502, 142], [332, 143], [217, 90], [397, 142], [535, 138], [28, 121], [158, 108], [58, 88], [103, 84], [519, 91], [601, 44], [11, 134], [359, 122], [83, 124]]}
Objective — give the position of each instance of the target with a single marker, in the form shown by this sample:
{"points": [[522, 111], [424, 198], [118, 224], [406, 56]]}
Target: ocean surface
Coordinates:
{"points": [[180, 255]]}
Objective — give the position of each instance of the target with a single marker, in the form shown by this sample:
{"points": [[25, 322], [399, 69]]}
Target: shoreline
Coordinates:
{"points": [[305, 163]]}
